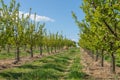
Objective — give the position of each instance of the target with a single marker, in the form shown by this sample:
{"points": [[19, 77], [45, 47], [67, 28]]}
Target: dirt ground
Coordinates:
{"points": [[90, 66], [9, 63], [94, 69]]}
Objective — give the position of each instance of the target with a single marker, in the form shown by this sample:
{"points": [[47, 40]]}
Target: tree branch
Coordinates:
{"points": [[110, 29]]}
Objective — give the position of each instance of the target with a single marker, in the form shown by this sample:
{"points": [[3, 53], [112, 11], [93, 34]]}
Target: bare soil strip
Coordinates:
{"points": [[94, 69], [9, 63]]}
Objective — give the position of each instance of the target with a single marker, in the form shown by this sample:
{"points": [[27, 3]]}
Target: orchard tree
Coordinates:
{"points": [[104, 15], [40, 36]]}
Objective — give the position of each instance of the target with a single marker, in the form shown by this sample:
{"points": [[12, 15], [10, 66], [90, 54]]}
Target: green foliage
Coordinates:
{"points": [[100, 28], [18, 31]]}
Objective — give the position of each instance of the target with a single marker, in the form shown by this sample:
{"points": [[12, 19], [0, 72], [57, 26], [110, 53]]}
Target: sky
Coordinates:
{"points": [[56, 14]]}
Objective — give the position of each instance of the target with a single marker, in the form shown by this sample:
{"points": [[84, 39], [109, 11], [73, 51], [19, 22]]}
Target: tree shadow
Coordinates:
{"points": [[11, 75], [37, 74], [53, 66], [28, 66], [79, 75]]}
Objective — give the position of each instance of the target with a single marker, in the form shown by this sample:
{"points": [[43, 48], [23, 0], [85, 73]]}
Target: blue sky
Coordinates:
{"points": [[57, 13]]}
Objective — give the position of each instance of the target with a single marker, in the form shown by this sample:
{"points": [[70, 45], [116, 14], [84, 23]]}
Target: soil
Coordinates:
{"points": [[10, 63], [90, 66], [93, 68]]}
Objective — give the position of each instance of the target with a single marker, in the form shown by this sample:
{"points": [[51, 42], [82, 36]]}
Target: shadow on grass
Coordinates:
{"points": [[53, 66], [118, 63], [63, 60], [41, 74], [11, 75], [29, 66], [45, 60], [78, 75]]}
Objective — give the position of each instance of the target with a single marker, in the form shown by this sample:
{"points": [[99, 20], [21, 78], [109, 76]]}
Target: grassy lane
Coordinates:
{"points": [[62, 66], [75, 70]]}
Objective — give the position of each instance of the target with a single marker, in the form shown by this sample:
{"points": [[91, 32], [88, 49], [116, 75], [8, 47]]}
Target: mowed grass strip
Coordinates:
{"points": [[75, 70]]}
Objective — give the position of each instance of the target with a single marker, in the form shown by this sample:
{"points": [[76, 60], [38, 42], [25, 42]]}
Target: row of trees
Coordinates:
{"points": [[100, 30], [21, 31]]}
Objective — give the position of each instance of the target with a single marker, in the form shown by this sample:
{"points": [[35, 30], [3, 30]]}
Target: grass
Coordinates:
{"points": [[52, 67], [75, 70]]}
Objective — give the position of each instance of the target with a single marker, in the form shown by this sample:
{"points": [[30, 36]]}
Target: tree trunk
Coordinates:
{"points": [[40, 50], [112, 63], [31, 51], [97, 55], [51, 50], [48, 50], [8, 48], [93, 54], [55, 49], [17, 54], [102, 58], [25, 46]]}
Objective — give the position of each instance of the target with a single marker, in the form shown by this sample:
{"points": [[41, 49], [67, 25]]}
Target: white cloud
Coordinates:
{"points": [[76, 40], [38, 17]]}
